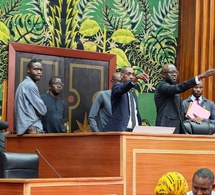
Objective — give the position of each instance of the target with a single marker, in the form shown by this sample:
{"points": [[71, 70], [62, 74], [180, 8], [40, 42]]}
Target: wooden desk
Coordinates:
{"points": [[141, 159], [62, 186]]}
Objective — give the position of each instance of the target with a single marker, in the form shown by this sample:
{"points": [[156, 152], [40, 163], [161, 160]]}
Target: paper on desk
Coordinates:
{"points": [[194, 108]]}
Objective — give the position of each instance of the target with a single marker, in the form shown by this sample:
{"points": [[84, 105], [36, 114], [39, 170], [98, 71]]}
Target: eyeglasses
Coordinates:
{"points": [[60, 84], [172, 72]]}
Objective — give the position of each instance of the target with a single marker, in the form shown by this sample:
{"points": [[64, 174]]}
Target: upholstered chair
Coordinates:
{"points": [[18, 165]]}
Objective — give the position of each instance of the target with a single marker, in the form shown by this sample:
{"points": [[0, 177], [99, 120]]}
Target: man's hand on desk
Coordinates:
{"points": [[196, 119]]}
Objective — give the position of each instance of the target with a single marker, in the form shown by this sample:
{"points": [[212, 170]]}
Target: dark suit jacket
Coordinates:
{"points": [[120, 107], [207, 104], [170, 112]]}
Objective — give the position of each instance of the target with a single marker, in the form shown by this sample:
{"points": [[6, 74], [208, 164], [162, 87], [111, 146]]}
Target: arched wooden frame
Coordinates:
{"points": [[77, 56]]}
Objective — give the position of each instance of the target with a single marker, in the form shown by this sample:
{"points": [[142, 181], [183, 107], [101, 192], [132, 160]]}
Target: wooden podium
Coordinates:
{"points": [[65, 186], [140, 159]]}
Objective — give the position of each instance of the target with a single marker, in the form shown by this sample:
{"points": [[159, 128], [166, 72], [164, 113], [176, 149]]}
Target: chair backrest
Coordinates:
{"points": [[2, 141], [18, 165], [3, 125]]}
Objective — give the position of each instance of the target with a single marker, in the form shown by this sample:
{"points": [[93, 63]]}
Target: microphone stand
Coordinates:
{"points": [[38, 152]]}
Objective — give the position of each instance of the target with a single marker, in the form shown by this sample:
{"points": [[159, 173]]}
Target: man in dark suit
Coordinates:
{"points": [[201, 101], [170, 112], [121, 101]]}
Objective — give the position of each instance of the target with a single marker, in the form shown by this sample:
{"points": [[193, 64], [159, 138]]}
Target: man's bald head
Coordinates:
{"points": [[170, 73], [116, 77]]}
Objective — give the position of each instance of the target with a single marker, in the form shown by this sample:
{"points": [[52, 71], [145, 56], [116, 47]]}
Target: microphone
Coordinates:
{"points": [[38, 152]]}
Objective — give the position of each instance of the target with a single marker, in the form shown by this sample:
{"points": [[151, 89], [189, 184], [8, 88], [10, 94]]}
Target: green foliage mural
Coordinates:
{"points": [[142, 33]]}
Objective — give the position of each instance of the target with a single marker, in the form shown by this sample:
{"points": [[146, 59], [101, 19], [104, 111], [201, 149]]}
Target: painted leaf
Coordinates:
{"points": [[27, 29], [160, 47], [4, 33], [121, 59], [12, 8], [90, 46], [89, 28], [123, 36]]}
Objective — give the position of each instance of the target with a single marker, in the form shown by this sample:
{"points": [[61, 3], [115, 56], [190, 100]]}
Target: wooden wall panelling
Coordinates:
{"points": [[196, 43], [211, 53]]}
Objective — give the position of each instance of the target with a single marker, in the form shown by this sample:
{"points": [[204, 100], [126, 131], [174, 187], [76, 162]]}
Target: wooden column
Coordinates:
{"points": [[196, 51]]}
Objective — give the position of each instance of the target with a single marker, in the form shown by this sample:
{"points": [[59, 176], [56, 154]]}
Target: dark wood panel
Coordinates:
{"points": [[84, 74]]}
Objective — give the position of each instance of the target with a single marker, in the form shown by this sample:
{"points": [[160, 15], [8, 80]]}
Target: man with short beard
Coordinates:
{"points": [[170, 112], [201, 101], [54, 120], [122, 98]]}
